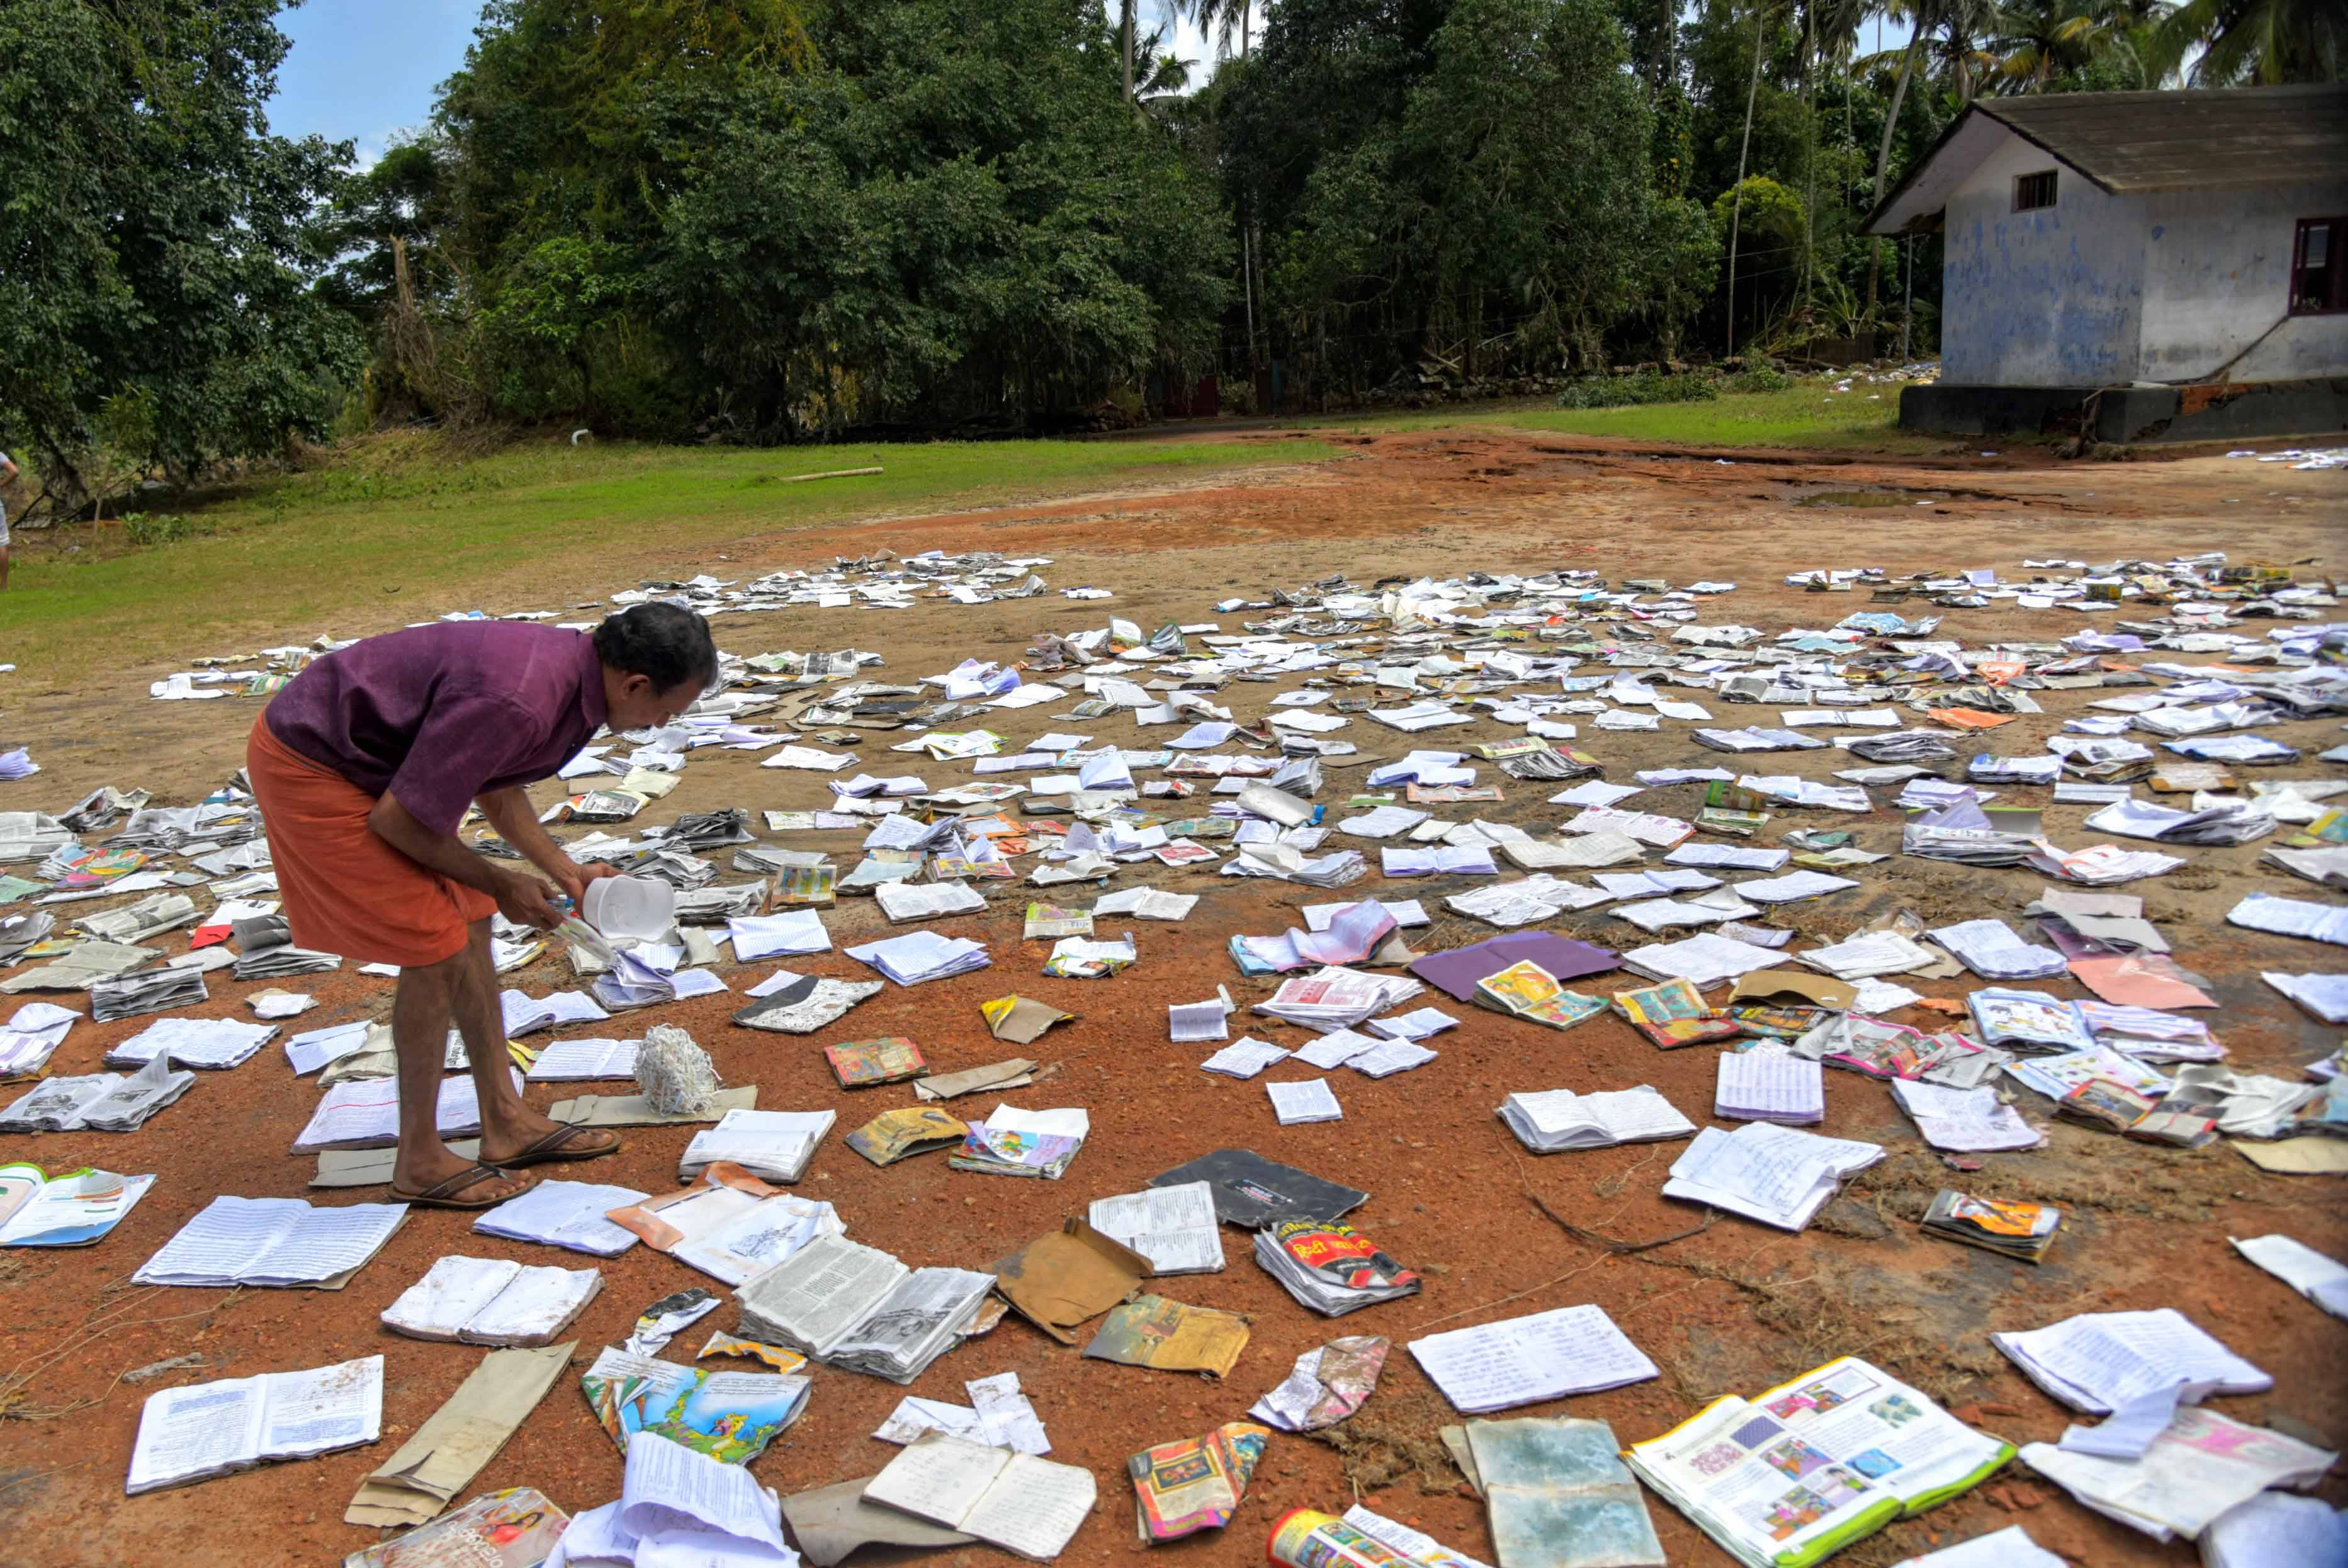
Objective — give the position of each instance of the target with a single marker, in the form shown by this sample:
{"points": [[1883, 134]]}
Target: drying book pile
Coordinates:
{"points": [[1330, 1267], [859, 1308], [775, 1145], [1795, 1474], [2021, 1231]]}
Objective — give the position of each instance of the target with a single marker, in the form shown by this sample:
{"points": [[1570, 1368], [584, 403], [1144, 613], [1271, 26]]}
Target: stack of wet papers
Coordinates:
{"points": [[920, 955], [775, 1145]]}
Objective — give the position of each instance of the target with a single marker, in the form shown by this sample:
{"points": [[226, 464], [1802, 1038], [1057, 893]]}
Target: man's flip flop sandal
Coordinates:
{"points": [[556, 1147], [443, 1194]]}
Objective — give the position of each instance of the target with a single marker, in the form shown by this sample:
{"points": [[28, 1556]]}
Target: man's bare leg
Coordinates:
{"points": [[420, 1034], [508, 1126]]}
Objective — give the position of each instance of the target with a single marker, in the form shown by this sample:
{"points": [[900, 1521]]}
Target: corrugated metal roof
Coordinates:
{"points": [[2128, 142]]}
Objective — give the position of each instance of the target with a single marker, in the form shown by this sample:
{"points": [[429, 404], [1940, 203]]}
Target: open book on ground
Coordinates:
{"points": [[492, 1301], [208, 1429], [71, 1209], [1022, 1503], [273, 1241], [1559, 1119], [1532, 1359], [857, 1308], [1796, 1473]]}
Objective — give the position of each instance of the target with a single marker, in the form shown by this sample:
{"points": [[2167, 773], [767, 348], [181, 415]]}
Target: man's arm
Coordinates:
{"points": [[521, 899], [509, 813], [8, 470]]}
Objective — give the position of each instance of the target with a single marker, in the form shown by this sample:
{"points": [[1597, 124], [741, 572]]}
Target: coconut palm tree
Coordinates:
{"points": [[2256, 41]]}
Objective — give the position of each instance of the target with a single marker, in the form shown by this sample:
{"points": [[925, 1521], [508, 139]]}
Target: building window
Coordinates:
{"points": [[2319, 280], [2031, 191]]}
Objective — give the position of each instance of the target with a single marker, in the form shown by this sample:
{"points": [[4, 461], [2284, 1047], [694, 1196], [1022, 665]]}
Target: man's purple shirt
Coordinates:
{"points": [[435, 716]]}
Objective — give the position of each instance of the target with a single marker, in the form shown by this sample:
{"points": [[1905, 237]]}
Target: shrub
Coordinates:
{"points": [[1625, 391], [1760, 378], [142, 528]]}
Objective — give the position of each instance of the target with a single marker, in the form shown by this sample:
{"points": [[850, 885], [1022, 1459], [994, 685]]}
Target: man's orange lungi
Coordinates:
{"points": [[346, 890]]}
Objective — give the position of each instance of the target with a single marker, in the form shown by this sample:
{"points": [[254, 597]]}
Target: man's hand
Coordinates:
{"points": [[573, 878], [523, 899]]}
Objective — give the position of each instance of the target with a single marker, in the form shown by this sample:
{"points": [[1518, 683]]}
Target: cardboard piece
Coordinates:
{"points": [[1074, 1273], [1021, 1020], [372, 1167], [1169, 1336], [1016, 1073], [2296, 1156], [894, 1134], [1250, 1190], [831, 1521], [635, 1110], [459, 1439], [1815, 990]]}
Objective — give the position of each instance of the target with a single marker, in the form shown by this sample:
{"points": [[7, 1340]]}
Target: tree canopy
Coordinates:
{"points": [[778, 220]]}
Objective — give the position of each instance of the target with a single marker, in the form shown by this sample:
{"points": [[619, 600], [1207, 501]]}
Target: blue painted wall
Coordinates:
{"points": [[2053, 297]]}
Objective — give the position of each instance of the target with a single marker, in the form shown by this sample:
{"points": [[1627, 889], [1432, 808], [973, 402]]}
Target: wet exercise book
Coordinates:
{"points": [[1528, 1360], [564, 1215], [273, 1241], [1023, 1504], [1559, 1119], [1766, 1084], [2098, 1361], [492, 1301], [1795, 1474], [208, 1429]]}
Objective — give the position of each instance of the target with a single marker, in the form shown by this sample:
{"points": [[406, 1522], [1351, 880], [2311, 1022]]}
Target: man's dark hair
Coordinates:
{"points": [[665, 641]]}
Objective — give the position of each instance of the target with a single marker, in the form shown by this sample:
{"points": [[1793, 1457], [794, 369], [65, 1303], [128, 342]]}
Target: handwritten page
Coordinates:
{"points": [[938, 1477], [1034, 1507], [1527, 1360]]}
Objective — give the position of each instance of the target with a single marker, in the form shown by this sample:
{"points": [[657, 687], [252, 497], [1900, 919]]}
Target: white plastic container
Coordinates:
{"points": [[630, 909]]}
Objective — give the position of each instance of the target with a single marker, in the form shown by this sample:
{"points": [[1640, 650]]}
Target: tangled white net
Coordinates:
{"points": [[674, 1073]]}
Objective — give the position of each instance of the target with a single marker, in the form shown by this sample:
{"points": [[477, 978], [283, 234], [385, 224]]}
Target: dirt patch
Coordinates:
{"points": [[1730, 1310]]}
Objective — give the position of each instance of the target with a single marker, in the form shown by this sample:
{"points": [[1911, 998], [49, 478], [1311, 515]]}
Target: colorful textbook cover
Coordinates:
{"points": [[1791, 1476], [730, 1416]]}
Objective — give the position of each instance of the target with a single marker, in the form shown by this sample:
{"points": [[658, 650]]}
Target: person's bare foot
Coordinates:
{"points": [[422, 1171], [514, 1133]]}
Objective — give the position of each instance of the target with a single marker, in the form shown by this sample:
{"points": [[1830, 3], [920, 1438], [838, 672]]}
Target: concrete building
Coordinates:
{"points": [[2163, 265]]}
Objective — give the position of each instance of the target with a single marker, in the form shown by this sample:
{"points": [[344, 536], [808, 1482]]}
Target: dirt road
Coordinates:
{"points": [[1728, 1311]]}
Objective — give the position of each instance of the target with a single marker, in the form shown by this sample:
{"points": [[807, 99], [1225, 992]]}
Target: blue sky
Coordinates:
{"points": [[363, 71]]}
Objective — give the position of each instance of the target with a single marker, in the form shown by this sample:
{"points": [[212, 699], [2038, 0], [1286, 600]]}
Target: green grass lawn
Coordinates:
{"points": [[1803, 416], [394, 528]]}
